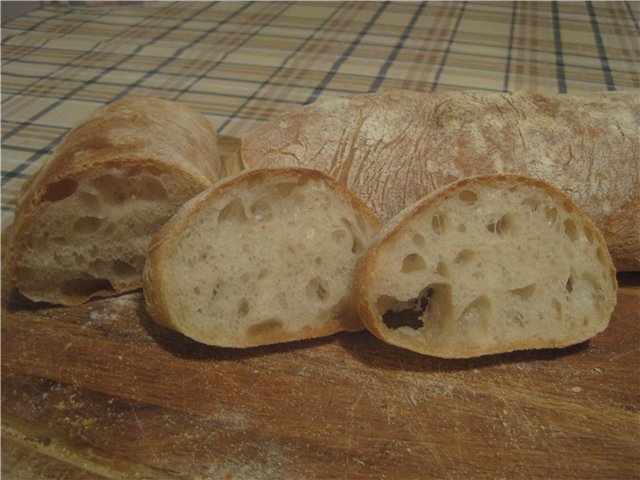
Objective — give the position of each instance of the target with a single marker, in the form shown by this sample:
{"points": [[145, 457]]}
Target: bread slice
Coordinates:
{"points": [[393, 147], [84, 221], [486, 265], [265, 256]]}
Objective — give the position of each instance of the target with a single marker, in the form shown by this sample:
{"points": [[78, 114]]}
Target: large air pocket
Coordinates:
{"points": [[431, 307]]}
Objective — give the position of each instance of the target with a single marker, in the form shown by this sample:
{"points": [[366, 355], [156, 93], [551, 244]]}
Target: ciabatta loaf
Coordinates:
{"points": [[489, 264], [265, 256], [84, 221], [394, 147]]}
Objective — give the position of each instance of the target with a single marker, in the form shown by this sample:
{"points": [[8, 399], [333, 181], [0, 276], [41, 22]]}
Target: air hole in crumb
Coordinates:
{"points": [[419, 240], [524, 292], [438, 224], [570, 229], [150, 188], [285, 189], [588, 233], [602, 256], [60, 190], [558, 308], [243, 307], [433, 301], [468, 197], [112, 189], [442, 269], [515, 317], [85, 286], [551, 214], [125, 269], [413, 263], [215, 290], [462, 227], [233, 212], [339, 234], [263, 273], [502, 226], [261, 210], [568, 207], [317, 289], [357, 245], [532, 203], [88, 201], [569, 285], [87, 225], [476, 315], [319, 261], [465, 256], [264, 329], [196, 290]]}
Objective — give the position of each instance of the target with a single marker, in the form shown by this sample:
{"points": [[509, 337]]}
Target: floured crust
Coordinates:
{"points": [[392, 148], [158, 293], [134, 133], [367, 274]]}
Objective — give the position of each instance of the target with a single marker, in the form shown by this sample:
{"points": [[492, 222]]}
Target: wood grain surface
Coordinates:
{"points": [[100, 391]]}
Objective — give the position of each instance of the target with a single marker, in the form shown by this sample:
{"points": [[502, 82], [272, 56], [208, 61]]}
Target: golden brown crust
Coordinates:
{"points": [[156, 292], [136, 131], [394, 147], [365, 270]]}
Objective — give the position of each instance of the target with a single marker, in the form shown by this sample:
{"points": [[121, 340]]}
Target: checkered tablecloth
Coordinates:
{"points": [[241, 63]]}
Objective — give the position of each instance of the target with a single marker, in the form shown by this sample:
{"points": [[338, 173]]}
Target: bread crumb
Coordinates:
{"points": [[576, 389]]}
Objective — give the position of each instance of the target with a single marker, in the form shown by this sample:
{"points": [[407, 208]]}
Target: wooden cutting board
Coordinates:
{"points": [[100, 391]]}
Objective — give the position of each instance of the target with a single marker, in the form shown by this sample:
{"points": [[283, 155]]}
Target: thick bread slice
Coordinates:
{"points": [[488, 264], [265, 256], [84, 221], [394, 147]]}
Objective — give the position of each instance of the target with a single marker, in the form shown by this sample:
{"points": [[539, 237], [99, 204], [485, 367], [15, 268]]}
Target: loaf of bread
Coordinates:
{"points": [[486, 265], [394, 147], [264, 256], [83, 222]]}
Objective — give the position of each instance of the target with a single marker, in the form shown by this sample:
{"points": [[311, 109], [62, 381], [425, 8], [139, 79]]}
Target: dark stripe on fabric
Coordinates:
{"points": [[382, 73], [336, 65], [269, 79], [443, 62], [507, 68], [633, 17], [17, 172], [602, 53], [70, 94], [181, 50], [224, 57], [557, 42]]}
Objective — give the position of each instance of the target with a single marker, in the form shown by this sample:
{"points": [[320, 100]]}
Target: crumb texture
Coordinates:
{"points": [[492, 266], [90, 235], [270, 258]]}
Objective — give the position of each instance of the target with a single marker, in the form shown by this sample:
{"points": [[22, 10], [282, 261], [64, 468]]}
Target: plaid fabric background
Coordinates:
{"points": [[241, 63]]}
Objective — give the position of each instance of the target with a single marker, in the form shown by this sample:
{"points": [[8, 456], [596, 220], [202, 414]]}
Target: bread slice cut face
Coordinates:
{"points": [[486, 265], [84, 221], [265, 256]]}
